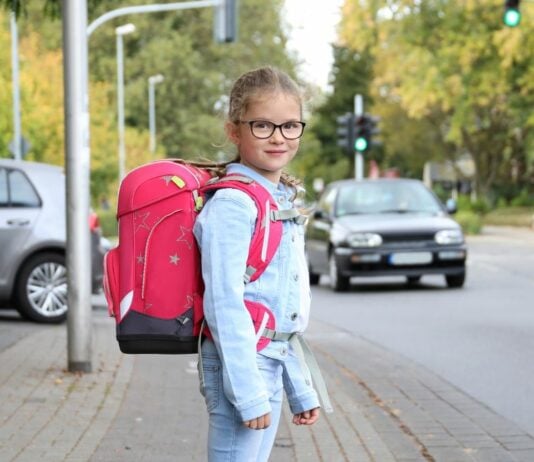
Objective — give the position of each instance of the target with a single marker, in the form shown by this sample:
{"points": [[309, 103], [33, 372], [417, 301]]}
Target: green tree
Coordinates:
{"points": [[191, 102], [198, 72], [350, 76], [453, 64]]}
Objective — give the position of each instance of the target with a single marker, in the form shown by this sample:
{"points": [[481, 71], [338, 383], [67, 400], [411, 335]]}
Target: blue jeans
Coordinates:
{"points": [[228, 439]]}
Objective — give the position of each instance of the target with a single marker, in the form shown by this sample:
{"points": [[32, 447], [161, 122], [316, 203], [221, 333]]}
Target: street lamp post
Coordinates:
{"points": [[153, 80], [16, 90], [120, 32]]}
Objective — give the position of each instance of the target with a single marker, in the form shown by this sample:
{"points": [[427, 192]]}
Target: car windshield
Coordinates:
{"points": [[386, 197]]}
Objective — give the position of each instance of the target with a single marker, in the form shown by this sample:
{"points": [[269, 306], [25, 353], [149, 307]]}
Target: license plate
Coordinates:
{"points": [[410, 258]]}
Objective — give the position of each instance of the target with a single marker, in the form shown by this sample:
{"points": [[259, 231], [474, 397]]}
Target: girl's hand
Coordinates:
{"points": [[306, 417], [259, 423]]}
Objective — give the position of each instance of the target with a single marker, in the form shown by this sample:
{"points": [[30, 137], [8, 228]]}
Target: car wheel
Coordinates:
{"points": [[412, 280], [41, 291], [338, 282], [314, 277], [455, 280]]}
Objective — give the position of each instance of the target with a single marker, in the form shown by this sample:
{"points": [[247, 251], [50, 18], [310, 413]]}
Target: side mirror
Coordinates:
{"points": [[451, 206]]}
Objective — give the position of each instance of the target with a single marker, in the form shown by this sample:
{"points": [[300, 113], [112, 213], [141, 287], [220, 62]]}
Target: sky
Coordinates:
{"points": [[313, 28]]}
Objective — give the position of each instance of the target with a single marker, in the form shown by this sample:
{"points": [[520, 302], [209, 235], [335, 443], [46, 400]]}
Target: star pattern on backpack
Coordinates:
{"points": [[185, 236], [174, 259], [143, 217], [140, 259], [167, 179], [189, 302]]}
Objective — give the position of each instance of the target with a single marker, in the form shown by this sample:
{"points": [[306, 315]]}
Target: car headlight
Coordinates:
{"points": [[449, 236], [364, 240]]}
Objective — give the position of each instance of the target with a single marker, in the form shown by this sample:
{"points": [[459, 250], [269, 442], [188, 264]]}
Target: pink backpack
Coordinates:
{"points": [[152, 279]]}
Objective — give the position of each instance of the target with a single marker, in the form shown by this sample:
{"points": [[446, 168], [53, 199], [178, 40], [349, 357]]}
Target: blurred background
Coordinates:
{"points": [[449, 82]]}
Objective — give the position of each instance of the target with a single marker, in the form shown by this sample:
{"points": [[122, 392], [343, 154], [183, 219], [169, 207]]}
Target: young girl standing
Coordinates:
{"points": [[243, 388]]}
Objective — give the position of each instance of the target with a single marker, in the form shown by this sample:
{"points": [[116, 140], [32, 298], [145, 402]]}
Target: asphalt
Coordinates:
{"points": [[148, 408]]}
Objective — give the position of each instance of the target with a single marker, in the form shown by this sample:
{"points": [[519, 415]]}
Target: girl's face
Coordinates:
{"points": [[266, 156]]}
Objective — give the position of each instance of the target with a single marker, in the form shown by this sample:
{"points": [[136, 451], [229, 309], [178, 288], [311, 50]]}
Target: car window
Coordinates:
{"points": [[3, 188], [384, 197], [326, 203], [21, 192]]}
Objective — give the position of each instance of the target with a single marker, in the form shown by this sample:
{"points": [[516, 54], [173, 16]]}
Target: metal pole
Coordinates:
{"points": [[150, 9], [77, 162], [120, 107], [151, 115], [358, 157], [152, 82], [119, 32], [16, 89]]}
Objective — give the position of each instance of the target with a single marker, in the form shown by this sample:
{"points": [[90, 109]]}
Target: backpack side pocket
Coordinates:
{"points": [[111, 281]]}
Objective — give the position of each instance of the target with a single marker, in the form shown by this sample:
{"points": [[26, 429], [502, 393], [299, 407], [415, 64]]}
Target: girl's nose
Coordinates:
{"points": [[277, 135]]}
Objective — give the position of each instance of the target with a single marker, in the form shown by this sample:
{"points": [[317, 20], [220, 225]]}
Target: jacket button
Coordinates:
{"points": [[294, 316], [296, 277]]}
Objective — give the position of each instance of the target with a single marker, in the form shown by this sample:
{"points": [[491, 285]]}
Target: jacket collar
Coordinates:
{"points": [[247, 171]]}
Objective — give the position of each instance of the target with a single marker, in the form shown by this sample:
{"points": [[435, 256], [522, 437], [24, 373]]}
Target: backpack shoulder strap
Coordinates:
{"points": [[268, 230]]}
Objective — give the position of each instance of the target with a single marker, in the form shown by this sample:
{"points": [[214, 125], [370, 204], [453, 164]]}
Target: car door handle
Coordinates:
{"points": [[18, 222]]}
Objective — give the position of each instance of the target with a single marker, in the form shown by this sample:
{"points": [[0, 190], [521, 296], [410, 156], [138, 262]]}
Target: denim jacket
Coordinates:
{"points": [[223, 231]]}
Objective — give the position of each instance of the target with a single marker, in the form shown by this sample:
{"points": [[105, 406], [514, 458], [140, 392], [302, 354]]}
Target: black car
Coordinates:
{"points": [[383, 227]]}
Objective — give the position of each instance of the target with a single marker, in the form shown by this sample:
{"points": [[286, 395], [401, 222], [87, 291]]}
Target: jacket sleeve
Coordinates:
{"points": [[224, 231], [300, 392]]}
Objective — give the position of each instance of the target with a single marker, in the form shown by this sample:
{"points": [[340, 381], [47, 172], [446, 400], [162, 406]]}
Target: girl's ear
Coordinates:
{"points": [[232, 132]]}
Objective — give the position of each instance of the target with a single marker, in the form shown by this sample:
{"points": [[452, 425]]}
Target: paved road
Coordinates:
{"points": [[479, 338], [147, 408]]}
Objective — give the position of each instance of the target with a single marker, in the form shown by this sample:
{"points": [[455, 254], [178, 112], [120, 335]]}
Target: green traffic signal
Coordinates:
{"points": [[511, 17], [361, 144]]}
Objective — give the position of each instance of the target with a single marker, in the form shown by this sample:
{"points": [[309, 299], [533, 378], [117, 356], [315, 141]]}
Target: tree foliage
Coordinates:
{"points": [[454, 65], [190, 102]]}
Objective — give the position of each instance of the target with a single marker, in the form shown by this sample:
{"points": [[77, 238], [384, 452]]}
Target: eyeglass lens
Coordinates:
{"points": [[265, 129]]}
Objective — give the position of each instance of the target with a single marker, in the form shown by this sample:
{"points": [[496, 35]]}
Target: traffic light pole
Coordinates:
{"points": [[358, 157]]}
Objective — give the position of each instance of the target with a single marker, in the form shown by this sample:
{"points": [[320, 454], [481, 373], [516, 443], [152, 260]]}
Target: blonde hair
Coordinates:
{"points": [[255, 84], [248, 88]]}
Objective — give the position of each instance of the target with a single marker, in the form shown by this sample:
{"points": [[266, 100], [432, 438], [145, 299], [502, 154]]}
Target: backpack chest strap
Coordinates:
{"points": [[289, 214]]}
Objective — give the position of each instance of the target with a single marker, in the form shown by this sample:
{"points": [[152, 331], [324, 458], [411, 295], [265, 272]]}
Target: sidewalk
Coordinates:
{"points": [[148, 408]]}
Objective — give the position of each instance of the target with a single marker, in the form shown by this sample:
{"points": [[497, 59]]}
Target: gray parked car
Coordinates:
{"points": [[33, 240]]}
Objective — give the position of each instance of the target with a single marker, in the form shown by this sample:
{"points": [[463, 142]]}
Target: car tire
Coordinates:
{"points": [[455, 280], [41, 289], [314, 277], [412, 280], [338, 282]]}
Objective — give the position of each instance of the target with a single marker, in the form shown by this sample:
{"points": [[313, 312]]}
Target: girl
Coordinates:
{"points": [[242, 388]]}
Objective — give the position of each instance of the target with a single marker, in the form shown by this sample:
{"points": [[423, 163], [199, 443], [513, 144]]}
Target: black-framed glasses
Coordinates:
{"points": [[264, 129]]}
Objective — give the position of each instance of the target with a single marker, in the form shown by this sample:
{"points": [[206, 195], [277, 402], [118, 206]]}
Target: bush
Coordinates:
{"points": [[501, 203], [524, 199], [480, 206], [470, 222]]}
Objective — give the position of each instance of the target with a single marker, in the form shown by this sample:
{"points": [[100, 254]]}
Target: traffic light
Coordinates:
{"points": [[365, 128], [512, 15], [225, 21], [345, 131]]}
